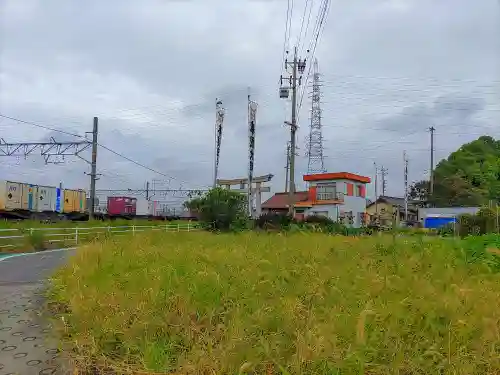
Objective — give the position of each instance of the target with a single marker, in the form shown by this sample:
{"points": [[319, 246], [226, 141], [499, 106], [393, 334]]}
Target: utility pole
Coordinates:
{"points": [[376, 192], [287, 166], [405, 160], [219, 121], [383, 172], [431, 179], [147, 190], [93, 169], [252, 112], [298, 66]]}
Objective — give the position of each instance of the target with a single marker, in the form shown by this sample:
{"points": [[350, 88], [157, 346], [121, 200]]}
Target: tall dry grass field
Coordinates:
{"points": [[289, 304]]}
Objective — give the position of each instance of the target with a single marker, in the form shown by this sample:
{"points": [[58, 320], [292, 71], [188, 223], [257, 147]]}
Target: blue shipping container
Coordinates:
{"points": [[58, 200], [438, 222]]}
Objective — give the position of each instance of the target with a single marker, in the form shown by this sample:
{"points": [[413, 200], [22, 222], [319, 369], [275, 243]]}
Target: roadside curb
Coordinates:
{"points": [[2, 258]]}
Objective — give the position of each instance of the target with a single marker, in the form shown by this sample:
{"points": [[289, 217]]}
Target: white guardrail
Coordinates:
{"points": [[13, 237]]}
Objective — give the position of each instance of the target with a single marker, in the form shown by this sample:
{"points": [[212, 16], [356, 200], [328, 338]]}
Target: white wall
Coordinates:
{"points": [[351, 203], [331, 209]]}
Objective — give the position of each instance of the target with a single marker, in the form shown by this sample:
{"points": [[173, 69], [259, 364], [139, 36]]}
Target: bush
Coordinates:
{"points": [[318, 219], [36, 240], [221, 209], [336, 228], [274, 221], [482, 249], [447, 230], [483, 223]]}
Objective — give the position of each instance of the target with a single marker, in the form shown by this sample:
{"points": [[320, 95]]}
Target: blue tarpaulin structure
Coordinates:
{"points": [[438, 222]]}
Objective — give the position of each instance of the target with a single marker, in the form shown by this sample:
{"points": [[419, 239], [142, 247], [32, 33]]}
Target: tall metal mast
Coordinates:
{"points": [[219, 121], [252, 111], [314, 152]]}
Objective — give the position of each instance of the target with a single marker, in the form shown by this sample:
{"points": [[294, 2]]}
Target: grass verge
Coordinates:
{"points": [[280, 304]]}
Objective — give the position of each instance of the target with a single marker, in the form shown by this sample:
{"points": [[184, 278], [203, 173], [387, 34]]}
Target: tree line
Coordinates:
{"points": [[470, 176]]}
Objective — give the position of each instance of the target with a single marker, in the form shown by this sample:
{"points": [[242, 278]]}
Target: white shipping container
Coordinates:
{"points": [[46, 199], [154, 208], [11, 194], [142, 207]]}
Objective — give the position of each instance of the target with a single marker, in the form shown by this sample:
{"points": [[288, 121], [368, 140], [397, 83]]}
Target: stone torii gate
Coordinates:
{"points": [[257, 189]]}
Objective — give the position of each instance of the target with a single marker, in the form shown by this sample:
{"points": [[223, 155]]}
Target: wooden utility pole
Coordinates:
{"points": [[293, 130], [287, 166], [431, 178], [405, 160], [93, 168], [376, 192]]}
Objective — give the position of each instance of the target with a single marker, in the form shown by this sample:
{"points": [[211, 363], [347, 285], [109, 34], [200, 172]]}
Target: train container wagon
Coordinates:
{"points": [[48, 199], [11, 195], [142, 207], [74, 201], [122, 206], [28, 197], [157, 209]]}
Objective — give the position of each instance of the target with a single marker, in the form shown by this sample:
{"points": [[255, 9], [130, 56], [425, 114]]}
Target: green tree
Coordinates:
{"points": [[419, 191], [470, 176], [220, 209]]}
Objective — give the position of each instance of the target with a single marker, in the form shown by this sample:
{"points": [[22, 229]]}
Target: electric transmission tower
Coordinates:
{"points": [[314, 152]]}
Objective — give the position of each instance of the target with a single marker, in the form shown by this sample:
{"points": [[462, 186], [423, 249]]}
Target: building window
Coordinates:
{"points": [[326, 192]]}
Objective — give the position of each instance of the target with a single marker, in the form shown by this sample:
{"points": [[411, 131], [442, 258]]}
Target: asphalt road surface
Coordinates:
{"points": [[25, 344]]}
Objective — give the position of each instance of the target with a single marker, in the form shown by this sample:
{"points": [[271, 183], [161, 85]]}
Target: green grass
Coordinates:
{"points": [[198, 303]]}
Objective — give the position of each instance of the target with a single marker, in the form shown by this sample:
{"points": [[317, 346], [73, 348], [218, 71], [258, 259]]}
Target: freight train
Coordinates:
{"points": [[20, 201], [131, 207]]}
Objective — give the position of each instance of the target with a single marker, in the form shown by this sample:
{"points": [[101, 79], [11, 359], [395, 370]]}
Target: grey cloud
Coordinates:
{"points": [[452, 112], [196, 52]]}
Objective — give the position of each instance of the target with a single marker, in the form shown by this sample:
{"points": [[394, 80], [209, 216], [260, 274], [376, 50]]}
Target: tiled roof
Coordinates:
{"points": [[337, 176], [280, 200], [393, 201]]}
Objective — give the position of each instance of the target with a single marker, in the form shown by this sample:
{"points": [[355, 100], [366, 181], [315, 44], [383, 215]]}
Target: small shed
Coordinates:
{"points": [[436, 217]]}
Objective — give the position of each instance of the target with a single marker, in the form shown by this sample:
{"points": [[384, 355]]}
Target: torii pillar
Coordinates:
{"points": [[257, 190]]}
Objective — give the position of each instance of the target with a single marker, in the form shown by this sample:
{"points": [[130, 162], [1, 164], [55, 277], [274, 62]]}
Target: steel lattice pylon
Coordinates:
{"points": [[314, 150]]}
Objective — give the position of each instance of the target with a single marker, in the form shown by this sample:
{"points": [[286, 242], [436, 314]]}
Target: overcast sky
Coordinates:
{"points": [[152, 69]]}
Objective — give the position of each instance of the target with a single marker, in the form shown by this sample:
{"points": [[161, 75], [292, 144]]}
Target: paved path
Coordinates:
{"points": [[25, 347]]}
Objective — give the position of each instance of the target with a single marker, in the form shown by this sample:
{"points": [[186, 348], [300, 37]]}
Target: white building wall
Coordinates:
{"points": [[351, 203], [357, 205], [331, 210]]}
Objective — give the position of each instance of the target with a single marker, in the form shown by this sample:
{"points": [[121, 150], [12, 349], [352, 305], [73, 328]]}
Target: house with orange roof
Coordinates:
{"points": [[339, 196]]}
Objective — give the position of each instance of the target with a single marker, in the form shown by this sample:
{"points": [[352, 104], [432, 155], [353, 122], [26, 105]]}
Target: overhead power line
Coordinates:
{"points": [[134, 162], [318, 28], [80, 136], [41, 126]]}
